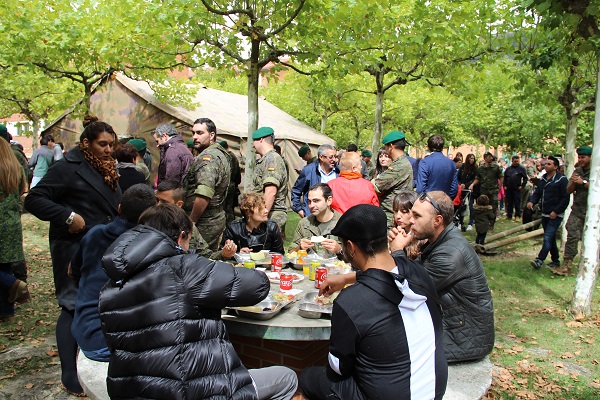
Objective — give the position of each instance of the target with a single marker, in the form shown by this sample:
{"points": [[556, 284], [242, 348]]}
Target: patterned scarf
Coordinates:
{"points": [[106, 169]]}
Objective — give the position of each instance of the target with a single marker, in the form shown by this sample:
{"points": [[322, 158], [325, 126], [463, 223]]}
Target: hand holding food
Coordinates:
{"points": [[306, 244], [331, 245], [335, 283]]}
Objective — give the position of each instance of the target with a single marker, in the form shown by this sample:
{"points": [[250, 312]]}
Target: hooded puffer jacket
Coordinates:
{"points": [[161, 316], [466, 299]]}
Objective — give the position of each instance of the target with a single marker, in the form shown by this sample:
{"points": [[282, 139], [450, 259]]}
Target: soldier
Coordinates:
{"points": [[490, 179], [306, 155], [269, 176], [233, 191], [140, 165], [398, 175], [320, 222], [207, 182], [366, 157], [578, 185]]}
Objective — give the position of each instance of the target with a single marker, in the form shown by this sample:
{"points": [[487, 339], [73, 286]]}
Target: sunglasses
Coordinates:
{"points": [[423, 196]]}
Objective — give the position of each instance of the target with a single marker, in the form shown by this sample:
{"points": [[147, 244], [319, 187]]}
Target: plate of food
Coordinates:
{"points": [[286, 297], [274, 277]]}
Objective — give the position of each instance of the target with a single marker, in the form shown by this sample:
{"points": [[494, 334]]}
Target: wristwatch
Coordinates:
{"points": [[584, 182], [69, 220]]}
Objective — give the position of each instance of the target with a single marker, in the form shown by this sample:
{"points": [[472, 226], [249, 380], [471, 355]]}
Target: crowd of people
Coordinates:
{"points": [[140, 273]]}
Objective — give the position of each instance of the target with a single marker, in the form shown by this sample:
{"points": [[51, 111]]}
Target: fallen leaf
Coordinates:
{"points": [[52, 353], [28, 386]]}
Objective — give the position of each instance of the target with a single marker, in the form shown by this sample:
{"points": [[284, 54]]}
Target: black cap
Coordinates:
{"points": [[362, 223]]}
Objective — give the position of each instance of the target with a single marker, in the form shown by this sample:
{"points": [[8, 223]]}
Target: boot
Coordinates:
{"points": [[565, 270]]}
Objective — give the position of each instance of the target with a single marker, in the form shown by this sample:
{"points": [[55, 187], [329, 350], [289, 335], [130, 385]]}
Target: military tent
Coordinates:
{"points": [[132, 109]]}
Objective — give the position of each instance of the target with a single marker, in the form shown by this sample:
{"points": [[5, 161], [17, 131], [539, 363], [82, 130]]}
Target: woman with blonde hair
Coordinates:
{"points": [[254, 232], [12, 186]]}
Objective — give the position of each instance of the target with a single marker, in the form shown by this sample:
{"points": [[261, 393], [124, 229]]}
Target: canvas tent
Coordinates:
{"points": [[131, 108]]}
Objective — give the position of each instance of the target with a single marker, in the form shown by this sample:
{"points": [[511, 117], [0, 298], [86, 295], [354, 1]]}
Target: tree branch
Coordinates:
{"points": [[289, 21], [213, 10]]}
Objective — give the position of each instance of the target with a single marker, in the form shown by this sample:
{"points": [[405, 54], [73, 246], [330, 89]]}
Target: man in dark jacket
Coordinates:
{"points": [[161, 316], [86, 269], [552, 191], [386, 330], [175, 158], [323, 170], [458, 275], [515, 179]]}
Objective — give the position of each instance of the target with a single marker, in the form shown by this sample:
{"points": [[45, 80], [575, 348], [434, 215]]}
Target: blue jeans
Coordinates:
{"points": [[549, 246]]}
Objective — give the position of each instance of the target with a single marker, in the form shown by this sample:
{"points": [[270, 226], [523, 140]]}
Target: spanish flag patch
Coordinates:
{"points": [[271, 169], [206, 158]]}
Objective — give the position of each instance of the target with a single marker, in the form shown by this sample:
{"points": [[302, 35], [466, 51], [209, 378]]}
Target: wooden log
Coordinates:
{"points": [[500, 243], [510, 231]]}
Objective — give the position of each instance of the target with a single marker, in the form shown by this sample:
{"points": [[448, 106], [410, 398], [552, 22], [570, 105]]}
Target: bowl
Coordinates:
{"points": [[258, 311], [308, 310]]}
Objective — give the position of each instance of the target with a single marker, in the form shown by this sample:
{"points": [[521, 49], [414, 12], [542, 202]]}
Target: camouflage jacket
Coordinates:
{"points": [[209, 176], [309, 226], [488, 178], [270, 170], [580, 195], [398, 176]]}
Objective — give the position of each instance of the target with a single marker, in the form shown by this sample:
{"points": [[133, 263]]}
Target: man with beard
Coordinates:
{"points": [[207, 182]]}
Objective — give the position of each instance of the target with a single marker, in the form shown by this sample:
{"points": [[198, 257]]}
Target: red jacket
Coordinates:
{"points": [[350, 189]]}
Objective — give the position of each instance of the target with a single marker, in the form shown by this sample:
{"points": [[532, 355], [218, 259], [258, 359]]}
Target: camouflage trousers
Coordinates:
{"points": [[211, 226], [280, 218], [574, 232], [525, 193]]}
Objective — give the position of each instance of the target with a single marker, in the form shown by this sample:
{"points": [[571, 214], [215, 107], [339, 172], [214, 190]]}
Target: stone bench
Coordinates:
{"points": [[466, 381]]}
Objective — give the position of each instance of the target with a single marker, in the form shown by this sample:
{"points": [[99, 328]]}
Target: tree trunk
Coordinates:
{"points": [[253, 75], [588, 265], [571, 135], [379, 96], [323, 124], [36, 132]]}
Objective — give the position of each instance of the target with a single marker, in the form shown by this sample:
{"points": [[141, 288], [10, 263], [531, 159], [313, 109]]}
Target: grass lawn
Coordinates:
{"points": [[541, 351]]}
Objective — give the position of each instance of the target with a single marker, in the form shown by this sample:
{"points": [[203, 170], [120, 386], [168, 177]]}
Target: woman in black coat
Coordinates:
{"points": [[254, 232], [77, 193]]}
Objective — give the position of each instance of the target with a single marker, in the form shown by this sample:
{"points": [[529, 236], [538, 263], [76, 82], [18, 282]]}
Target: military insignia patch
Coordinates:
{"points": [[206, 158], [271, 169]]}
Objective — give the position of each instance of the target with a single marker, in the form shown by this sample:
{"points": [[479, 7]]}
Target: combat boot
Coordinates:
{"points": [[565, 270]]}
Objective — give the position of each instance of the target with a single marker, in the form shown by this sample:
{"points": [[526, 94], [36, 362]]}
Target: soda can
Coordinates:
{"points": [[286, 281], [313, 267], [301, 255], [276, 262], [249, 264], [320, 276]]}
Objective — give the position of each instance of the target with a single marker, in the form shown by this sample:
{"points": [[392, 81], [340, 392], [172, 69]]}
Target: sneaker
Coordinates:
{"points": [[554, 264], [537, 263], [470, 227], [517, 219], [18, 292]]}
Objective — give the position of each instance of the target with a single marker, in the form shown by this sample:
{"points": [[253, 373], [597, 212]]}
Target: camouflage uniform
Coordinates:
{"points": [[526, 192], [200, 247], [398, 176], [371, 171], [233, 191], [209, 176], [310, 226], [270, 170], [576, 220], [488, 183], [143, 168], [21, 158]]}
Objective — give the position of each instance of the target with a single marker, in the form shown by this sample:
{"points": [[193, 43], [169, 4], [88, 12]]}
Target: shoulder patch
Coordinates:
{"points": [[206, 158], [271, 168], [390, 168]]}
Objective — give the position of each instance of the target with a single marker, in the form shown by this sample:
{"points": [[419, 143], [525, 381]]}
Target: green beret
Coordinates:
{"points": [[3, 132], [190, 143], [303, 150], [584, 151], [366, 153], [392, 137], [139, 144], [262, 132]]}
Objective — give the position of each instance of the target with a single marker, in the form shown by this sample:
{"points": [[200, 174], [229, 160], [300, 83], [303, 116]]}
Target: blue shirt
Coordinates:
{"points": [[437, 172]]}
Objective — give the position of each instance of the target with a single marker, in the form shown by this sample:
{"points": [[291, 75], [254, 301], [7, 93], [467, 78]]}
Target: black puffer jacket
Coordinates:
{"points": [[161, 316], [466, 300], [266, 237]]}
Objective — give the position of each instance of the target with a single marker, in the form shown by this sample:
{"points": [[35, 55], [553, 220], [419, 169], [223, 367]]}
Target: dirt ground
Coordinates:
{"points": [[40, 383]]}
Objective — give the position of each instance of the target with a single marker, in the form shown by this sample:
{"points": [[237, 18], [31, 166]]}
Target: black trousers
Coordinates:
{"points": [[322, 383], [513, 200]]}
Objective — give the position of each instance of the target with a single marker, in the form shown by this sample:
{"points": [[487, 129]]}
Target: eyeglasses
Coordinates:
{"points": [[329, 157], [423, 196]]}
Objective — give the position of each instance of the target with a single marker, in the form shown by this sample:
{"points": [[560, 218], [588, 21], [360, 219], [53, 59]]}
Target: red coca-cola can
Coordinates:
{"points": [[286, 281], [320, 276], [276, 262]]}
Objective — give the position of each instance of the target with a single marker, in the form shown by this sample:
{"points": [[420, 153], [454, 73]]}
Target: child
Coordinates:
{"points": [[484, 218]]}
